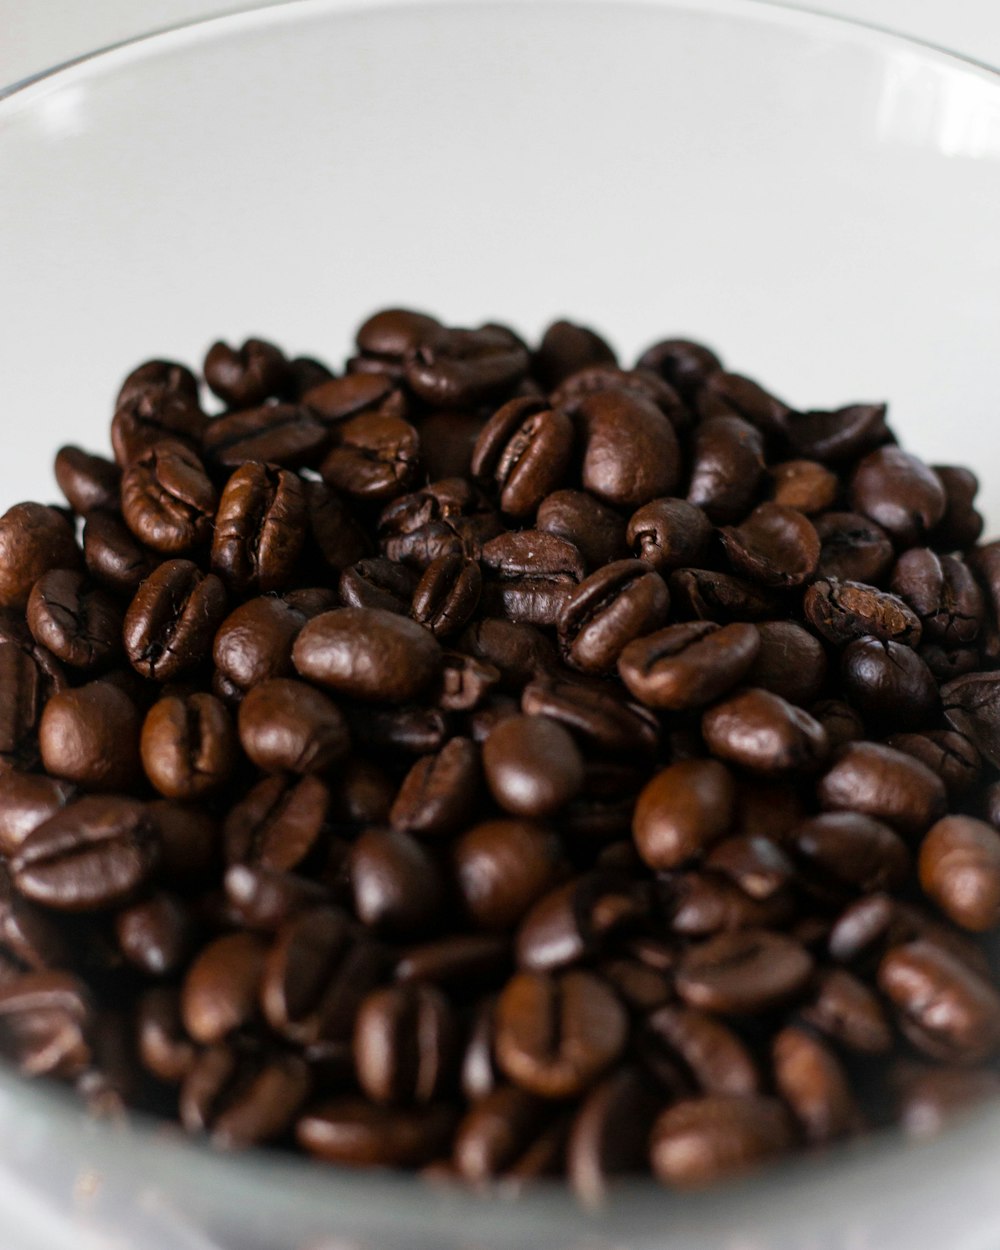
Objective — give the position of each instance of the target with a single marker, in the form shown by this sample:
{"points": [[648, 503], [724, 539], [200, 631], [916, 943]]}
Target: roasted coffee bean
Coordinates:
{"points": [[960, 871], [148, 416], [878, 781], [840, 435], [532, 766], [933, 1098], [316, 975], [447, 594], [972, 708], [439, 794], [113, 557], [610, 1134], [898, 492], [703, 594], [951, 755], [287, 726], [335, 399], [80, 625], [557, 1033], [375, 456], [946, 664], [87, 481], [189, 841], [367, 654], [93, 853], [518, 651], [594, 529], [502, 867], [28, 676], [532, 576], [255, 640], [259, 528], [45, 1022], [447, 440], [244, 377], [565, 348], [728, 465], [221, 985], [460, 964], [574, 920], [851, 850], [397, 887], [683, 811], [335, 536], [275, 434], [355, 1133], [841, 722], [156, 935], [405, 1040], [30, 937], [507, 1134], [889, 683], [699, 904], [378, 583], [853, 548], [242, 1100], [277, 824], [609, 609], [457, 368], [159, 375], [26, 801], [703, 1140], [943, 593], [170, 624], [945, 1009], [388, 337], [630, 450], [407, 730], [595, 714], [524, 450], [756, 864], [749, 970], [163, 1047], [725, 394], [669, 534], [683, 667], [33, 540], [790, 663], [686, 365], [759, 731], [167, 499], [805, 485], [641, 384], [844, 611], [264, 898], [188, 746], [710, 1052], [962, 524], [812, 1081], [775, 546], [90, 736], [849, 1013]]}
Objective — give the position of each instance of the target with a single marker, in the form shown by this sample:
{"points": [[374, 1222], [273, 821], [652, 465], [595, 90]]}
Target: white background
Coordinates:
{"points": [[36, 34]]}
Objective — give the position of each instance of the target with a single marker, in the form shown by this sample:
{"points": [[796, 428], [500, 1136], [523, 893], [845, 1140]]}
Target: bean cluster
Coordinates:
{"points": [[501, 762]]}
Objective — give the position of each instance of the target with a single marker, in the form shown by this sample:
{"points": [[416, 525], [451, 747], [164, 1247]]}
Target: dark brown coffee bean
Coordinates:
{"points": [[841, 722], [972, 708], [565, 349], [407, 730], [687, 666], [750, 970], [934, 1098], [389, 336], [220, 989], [853, 549], [596, 530], [264, 898], [669, 534], [335, 399], [287, 726], [90, 736], [946, 1010], [315, 977], [335, 537], [26, 801], [849, 1013], [704, 1140], [880, 782], [682, 811], [188, 746], [254, 642], [33, 540], [532, 576], [189, 841], [397, 887], [148, 416], [113, 557], [710, 1052], [80, 625], [532, 766], [943, 593], [759, 731], [378, 583], [439, 794], [889, 683], [87, 481], [610, 608], [900, 493], [851, 850], [573, 921], [156, 935], [497, 1134], [405, 1041], [731, 394], [244, 377], [518, 651], [242, 1100], [447, 594], [727, 469], [277, 824], [595, 714], [805, 485], [756, 864], [962, 524], [276, 434], [523, 451], [838, 436], [159, 375], [774, 546], [811, 1080], [946, 665], [684, 364], [790, 663], [28, 677], [700, 904], [259, 529], [960, 871], [704, 594], [162, 1045], [45, 1023], [167, 499], [610, 1134], [557, 1034], [355, 1133], [502, 867], [458, 368], [630, 450], [170, 624], [93, 853], [844, 611], [367, 654], [375, 456], [951, 755], [462, 964]]}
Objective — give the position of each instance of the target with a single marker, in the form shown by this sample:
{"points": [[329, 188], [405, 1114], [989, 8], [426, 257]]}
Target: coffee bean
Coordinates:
{"points": [[407, 730], [277, 824], [149, 416], [790, 663], [951, 755], [33, 540], [889, 683], [946, 664], [960, 871], [610, 1134], [805, 485], [287, 726], [388, 337], [162, 1045], [756, 864], [669, 534], [447, 594], [943, 593], [849, 1013], [456, 368], [700, 904], [759, 731], [597, 716], [524, 450], [684, 364], [405, 1040], [170, 623], [378, 583], [684, 667], [461, 964], [749, 970], [220, 989], [90, 736], [26, 801], [355, 1133], [154, 375], [532, 766], [335, 399], [188, 746], [898, 492], [264, 898], [703, 594], [845, 611], [375, 456], [518, 651], [93, 853], [557, 1034], [630, 450], [682, 811], [711, 1053], [775, 546], [728, 465], [397, 887], [566, 348], [368, 654], [87, 481], [811, 1080], [878, 781], [113, 557], [594, 529], [962, 524], [502, 867], [944, 1008], [574, 921], [254, 642], [852, 850], [242, 1100], [853, 548], [609, 609], [703, 1140], [439, 794], [972, 708], [498, 1133], [276, 434], [156, 935], [167, 499], [838, 436], [245, 376], [259, 528], [45, 1020], [80, 625], [532, 576]]}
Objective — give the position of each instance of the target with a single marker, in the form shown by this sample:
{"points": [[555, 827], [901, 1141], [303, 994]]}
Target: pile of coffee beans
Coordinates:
{"points": [[501, 762]]}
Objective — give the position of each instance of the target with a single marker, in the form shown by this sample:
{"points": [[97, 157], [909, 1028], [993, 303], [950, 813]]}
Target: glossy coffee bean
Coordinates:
{"points": [[949, 754], [749, 970], [162, 1045], [727, 469], [242, 1100], [378, 583], [277, 824], [167, 499], [260, 528], [287, 726], [530, 576], [45, 1024], [682, 811], [669, 534], [775, 546], [397, 887], [972, 708], [899, 493], [609, 609], [502, 867], [79, 624], [565, 348], [790, 663], [683, 363], [354, 1133], [375, 457], [245, 376], [447, 594], [367, 654], [812, 1081], [524, 451], [33, 540], [630, 450], [610, 1135], [87, 481], [456, 368], [683, 667], [889, 684], [114, 559], [703, 1140], [962, 524], [804, 484], [151, 415], [221, 985], [90, 736], [439, 793], [759, 731], [943, 593], [156, 935], [277, 434], [188, 746], [576, 920], [335, 399], [170, 624], [710, 1053], [254, 642], [595, 530], [960, 871], [705, 595], [532, 766], [405, 1040], [849, 849], [26, 801], [878, 781], [838, 436], [848, 1012]]}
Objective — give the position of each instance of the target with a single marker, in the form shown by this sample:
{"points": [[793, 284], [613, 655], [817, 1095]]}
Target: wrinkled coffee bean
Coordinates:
{"points": [[167, 499], [844, 611], [853, 548], [684, 667], [447, 595], [669, 534], [608, 610], [80, 625], [276, 434], [375, 456], [87, 481], [594, 529], [524, 449], [246, 376], [170, 623]]}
